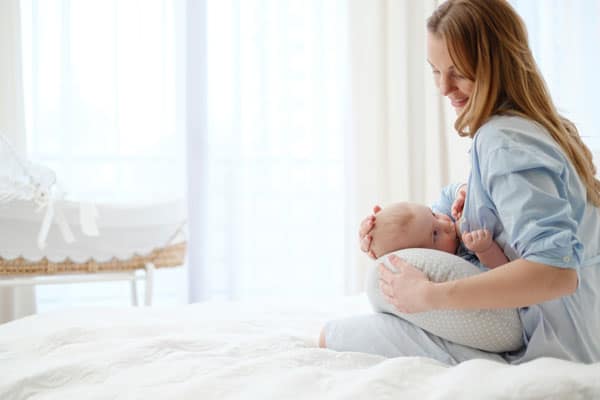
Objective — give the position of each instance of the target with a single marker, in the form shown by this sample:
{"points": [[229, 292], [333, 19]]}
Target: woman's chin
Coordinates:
{"points": [[458, 109]]}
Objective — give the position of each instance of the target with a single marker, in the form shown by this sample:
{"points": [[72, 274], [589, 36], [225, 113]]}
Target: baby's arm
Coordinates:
{"points": [[488, 251]]}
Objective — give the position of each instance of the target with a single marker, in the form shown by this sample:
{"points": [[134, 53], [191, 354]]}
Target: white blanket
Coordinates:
{"points": [[245, 351]]}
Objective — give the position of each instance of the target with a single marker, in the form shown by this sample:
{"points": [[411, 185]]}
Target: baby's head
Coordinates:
{"points": [[408, 225]]}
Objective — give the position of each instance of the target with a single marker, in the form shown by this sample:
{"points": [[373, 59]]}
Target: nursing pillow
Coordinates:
{"points": [[496, 330]]}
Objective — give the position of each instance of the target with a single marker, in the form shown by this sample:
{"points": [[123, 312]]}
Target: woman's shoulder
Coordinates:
{"points": [[513, 132], [512, 143]]}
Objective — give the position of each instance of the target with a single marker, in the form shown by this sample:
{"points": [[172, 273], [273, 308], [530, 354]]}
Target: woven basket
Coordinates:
{"points": [[169, 256]]}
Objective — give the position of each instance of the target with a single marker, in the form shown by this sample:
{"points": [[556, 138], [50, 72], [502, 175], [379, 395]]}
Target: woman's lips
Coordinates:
{"points": [[459, 102]]}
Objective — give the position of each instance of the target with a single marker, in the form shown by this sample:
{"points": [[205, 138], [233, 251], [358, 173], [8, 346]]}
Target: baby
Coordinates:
{"points": [[408, 225]]}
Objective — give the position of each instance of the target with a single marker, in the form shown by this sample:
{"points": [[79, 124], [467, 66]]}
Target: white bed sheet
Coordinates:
{"points": [[251, 350]]}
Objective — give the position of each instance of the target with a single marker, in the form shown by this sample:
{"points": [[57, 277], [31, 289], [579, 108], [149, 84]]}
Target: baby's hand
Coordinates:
{"points": [[459, 202], [478, 241]]}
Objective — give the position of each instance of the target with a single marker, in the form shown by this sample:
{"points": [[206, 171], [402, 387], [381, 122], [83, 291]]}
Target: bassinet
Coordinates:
{"points": [[129, 238]]}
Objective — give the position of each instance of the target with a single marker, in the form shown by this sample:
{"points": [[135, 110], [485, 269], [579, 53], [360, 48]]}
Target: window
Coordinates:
{"points": [[101, 103], [277, 84], [563, 36]]}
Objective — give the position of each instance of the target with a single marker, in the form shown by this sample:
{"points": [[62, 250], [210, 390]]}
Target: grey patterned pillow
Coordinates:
{"points": [[490, 330]]}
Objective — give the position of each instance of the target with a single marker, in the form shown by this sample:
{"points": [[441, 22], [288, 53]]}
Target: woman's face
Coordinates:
{"points": [[447, 78]]}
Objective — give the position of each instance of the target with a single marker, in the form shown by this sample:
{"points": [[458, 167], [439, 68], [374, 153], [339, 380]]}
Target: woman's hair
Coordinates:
{"points": [[487, 42]]}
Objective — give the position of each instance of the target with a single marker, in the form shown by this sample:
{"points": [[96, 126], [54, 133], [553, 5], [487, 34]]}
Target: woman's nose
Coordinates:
{"points": [[446, 86]]}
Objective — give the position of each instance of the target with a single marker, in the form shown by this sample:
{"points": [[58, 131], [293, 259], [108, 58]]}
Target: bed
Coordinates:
{"points": [[252, 349]]}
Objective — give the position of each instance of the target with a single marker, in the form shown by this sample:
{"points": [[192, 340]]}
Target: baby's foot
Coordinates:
{"points": [[477, 241]]}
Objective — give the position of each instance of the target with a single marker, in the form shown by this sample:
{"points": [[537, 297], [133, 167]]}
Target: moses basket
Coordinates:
{"points": [[124, 239]]}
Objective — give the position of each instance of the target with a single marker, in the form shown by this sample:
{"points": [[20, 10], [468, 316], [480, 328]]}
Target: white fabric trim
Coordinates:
{"points": [[123, 230]]}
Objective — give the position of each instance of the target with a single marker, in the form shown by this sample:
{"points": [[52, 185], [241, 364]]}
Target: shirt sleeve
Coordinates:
{"points": [[444, 204], [527, 185]]}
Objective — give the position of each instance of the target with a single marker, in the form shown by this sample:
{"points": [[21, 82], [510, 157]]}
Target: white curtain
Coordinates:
{"points": [[565, 39], [315, 112], [103, 94], [19, 302], [301, 115], [404, 144], [274, 213]]}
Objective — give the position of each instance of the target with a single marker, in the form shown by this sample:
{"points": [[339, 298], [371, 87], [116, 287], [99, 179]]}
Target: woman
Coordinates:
{"points": [[532, 179]]}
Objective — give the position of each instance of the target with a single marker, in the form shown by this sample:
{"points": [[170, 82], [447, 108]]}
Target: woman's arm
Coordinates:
{"points": [[519, 283]]}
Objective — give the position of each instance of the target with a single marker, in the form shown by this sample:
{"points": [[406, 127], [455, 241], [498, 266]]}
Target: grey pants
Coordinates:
{"points": [[390, 336]]}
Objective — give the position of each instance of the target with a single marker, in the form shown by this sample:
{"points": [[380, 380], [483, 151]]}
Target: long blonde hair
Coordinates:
{"points": [[487, 42]]}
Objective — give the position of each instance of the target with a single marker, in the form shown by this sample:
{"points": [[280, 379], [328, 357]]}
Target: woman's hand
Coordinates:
{"points": [[407, 289], [366, 226], [459, 202]]}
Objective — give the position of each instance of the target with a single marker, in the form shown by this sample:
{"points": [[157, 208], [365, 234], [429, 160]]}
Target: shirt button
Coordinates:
{"points": [[566, 258]]}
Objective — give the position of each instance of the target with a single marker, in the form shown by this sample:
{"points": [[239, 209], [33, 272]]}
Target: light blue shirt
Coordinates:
{"points": [[524, 189]]}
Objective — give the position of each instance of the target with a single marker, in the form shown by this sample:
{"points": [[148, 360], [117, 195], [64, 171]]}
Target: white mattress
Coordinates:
{"points": [[123, 230], [245, 350]]}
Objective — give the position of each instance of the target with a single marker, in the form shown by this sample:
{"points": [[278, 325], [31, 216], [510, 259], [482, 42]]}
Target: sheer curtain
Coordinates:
{"points": [[564, 39], [404, 144], [300, 116], [14, 302], [315, 112], [101, 96], [273, 216], [103, 100]]}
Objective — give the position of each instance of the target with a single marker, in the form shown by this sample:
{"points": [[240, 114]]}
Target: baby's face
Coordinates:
{"points": [[431, 230], [408, 225]]}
